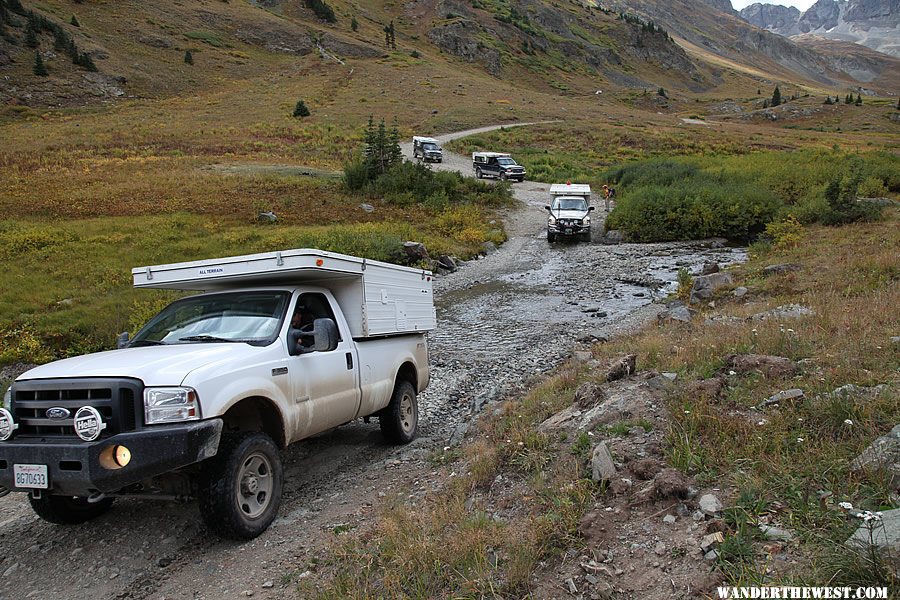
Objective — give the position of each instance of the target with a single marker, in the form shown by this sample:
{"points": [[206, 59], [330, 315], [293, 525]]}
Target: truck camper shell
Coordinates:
{"points": [[377, 298]]}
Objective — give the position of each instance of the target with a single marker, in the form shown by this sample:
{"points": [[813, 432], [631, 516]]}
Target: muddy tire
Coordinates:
{"points": [[399, 421], [68, 510], [478, 174], [240, 489], [551, 237], [503, 177]]}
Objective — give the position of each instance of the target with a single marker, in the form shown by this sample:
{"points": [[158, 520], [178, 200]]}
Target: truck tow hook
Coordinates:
{"points": [[96, 497]]}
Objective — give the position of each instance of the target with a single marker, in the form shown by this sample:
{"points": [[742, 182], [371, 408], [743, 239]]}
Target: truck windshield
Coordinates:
{"points": [[429, 146], [569, 204], [251, 317], [506, 161]]}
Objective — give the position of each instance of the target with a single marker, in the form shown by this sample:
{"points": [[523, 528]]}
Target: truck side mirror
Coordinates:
{"points": [[325, 334], [122, 340], [590, 208], [546, 207]]}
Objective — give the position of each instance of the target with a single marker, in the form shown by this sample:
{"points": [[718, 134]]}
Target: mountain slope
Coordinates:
{"points": [[871, 23]]}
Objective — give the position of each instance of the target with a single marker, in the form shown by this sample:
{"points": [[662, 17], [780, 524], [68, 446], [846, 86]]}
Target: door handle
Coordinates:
{"points": [[349, 360]]}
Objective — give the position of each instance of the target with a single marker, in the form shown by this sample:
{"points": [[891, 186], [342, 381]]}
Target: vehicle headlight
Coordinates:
{"points": [[586, 221], [7, 399], [170, 405], [551, 221]]}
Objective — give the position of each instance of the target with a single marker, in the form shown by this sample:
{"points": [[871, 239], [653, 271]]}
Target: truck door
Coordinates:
{"points": [[325, 381]]}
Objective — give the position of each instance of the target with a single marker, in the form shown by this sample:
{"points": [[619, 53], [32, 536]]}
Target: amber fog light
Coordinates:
{"points": [[114, 457], [121, 455]]}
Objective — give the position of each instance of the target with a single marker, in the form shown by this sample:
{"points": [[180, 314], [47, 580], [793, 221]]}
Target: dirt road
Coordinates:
{"points": [[501, 320]]}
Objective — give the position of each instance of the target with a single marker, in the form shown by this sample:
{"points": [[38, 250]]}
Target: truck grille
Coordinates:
{"points": [[117, 400]]}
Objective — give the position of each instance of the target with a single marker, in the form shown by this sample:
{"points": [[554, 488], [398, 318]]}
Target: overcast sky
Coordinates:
{"points": [[801, 4]]}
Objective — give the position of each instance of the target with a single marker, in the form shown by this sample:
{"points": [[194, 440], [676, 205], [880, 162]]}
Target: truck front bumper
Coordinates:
{"points": [[76, 468], [569, 229]]}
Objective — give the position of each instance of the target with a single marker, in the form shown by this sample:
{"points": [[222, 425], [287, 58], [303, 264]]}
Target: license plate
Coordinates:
{"points": [[31, 476], [568, 230]]}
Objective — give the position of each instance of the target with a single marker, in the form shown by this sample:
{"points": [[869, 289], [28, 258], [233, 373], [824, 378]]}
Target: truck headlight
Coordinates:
{"points": [[7, 399], [170, 405], [551, 221], [586, 221]]}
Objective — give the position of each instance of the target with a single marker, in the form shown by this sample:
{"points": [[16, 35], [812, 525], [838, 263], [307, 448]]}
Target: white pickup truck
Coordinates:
{"points": [[570, 212], [278, 347]]}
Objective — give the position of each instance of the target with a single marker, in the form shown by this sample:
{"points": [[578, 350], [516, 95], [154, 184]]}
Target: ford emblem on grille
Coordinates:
{"points": [[57, 413], [88, 423]]}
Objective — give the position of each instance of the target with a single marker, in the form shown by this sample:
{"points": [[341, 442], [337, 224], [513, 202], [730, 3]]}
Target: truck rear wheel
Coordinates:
{"points": [[68, 510], [478, 174], [399, 421], [240, 489]]}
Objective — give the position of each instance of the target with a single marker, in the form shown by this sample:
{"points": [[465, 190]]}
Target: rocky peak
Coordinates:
{"points": [[774, 17], [824, 14], [723, 5]]}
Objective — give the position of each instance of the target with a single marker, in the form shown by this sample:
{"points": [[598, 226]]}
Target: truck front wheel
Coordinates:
{"points": [[240, 489], [399, 421], [68, 510]]}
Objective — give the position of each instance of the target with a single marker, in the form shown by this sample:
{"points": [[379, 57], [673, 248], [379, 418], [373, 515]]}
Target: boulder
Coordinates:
{"points": [[776, 533], [711, 388], [415, 251], [709, 268], [366, 207], [678, 313], [881, 534], [602, 466], [772, 367], [781, 269], [267, 217], [739, 292], [786, 311], [622, 368], [447, 263], [705, 286], [488, 248], [882, 456]]}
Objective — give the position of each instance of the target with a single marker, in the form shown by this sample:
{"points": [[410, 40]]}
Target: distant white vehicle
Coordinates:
{"points": [[497, 164], [279, 347], [428, 149], [569, 210]]}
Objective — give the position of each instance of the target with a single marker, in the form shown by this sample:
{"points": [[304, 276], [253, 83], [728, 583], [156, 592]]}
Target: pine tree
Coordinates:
{"points": [[84, 60], [758, 92], [188, 57], [776, 97], [74, 22], [300, 110], [31, 36], [828, 100], [39, 69], [848, 99], [354, 25], [393, 151], [859, 99], [898, 103], [766, 103], [60, 39]]}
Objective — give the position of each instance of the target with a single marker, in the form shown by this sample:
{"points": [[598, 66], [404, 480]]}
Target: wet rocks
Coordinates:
{"points": [[602, 466], [705, 286], [780, 269], [786, 311], [622, 368], [710, 505], [709, 268], [882, 456], [488, 248], [772, 367]]}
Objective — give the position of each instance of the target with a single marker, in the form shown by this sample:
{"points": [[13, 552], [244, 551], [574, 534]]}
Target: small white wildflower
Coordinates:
{"points": [[799, 419], [761, 423], [732, 373], [845, 505], [591, 433], [848, 422], [687, 412], [790, 331], [799, 440], [521, 443]]}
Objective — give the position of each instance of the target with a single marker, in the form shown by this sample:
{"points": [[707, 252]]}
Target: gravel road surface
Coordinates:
{"points": [[502, 319]]}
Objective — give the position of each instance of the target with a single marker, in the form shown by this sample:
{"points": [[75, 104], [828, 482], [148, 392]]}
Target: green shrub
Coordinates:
{"points": [[872, 187], [842, 197]]}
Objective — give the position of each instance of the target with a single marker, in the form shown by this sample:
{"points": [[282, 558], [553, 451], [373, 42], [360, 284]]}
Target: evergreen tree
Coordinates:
{"points": [[85, 61], [390, 37], [848, 99], [60, 39], [766, 103], [188, 57], [776, 97], [828, 100], [394, 154], [300, 110], [39, 69], [758, 92], [354, 25], [859, 99], [31, 36], [898, 103], [72, 50], [662, 92], [74, 22]]}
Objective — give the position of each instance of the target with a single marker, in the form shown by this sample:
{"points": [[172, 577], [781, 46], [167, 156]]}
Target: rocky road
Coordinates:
{"points": [[502, 320]]}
